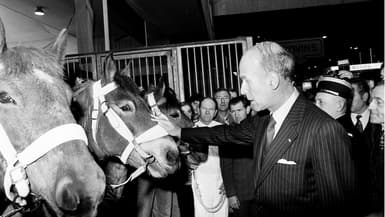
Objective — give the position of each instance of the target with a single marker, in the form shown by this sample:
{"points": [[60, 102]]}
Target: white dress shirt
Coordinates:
{"points": [[280, 114], [364, 118]]}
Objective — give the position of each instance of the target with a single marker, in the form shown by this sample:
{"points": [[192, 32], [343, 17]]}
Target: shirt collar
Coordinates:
{"points": [[280, 114], [364, 119]]}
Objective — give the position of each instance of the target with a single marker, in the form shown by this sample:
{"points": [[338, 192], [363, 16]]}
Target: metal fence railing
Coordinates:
{"points": [[190, 68]]}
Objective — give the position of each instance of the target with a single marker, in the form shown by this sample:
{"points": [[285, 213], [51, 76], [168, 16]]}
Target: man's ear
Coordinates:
{"points": [[248, 110], [274, 80], [365, 97], [341, 105]]}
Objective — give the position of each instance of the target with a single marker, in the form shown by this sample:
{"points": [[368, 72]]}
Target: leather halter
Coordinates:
{"points": [[17, 163], [116, 122], [153, 105]]}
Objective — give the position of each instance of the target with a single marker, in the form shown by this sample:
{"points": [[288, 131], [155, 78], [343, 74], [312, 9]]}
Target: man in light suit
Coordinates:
{"points": [[303, 156]]}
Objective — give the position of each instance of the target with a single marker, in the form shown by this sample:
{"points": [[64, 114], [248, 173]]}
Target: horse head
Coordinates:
{"points": [[122, 124], [162, 97], [44, 152]]}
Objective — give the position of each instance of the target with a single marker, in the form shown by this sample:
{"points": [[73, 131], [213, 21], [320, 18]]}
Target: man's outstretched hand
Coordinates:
{"points": [[163, 121]]}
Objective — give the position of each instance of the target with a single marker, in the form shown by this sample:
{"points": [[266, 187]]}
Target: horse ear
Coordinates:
{"points": [[160, 88], [3, 43], [132, 86], [127, 70], [109, 69], [58, 47]]}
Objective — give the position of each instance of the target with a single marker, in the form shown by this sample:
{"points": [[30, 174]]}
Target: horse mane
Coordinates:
{"points": [[20, 60]]}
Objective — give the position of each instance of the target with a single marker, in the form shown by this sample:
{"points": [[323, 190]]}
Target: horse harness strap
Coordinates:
{"points": [[17, 163], [152, 103], [117, 123]]}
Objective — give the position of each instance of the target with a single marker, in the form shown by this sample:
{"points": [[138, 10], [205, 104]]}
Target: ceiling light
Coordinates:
{"points": [[39, 11], [324, 36]]}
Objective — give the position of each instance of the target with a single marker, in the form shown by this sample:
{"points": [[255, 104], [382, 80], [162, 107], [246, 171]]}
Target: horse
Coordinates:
{"points": [[120, 130], [169, 197], [45, 164]]}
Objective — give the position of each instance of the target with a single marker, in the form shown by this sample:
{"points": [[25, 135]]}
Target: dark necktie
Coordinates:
{"points": [[269, 137], [359, 124]]}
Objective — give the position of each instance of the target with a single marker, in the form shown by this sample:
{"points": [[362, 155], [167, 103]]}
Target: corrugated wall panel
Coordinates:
{"points": [[227, 7]]}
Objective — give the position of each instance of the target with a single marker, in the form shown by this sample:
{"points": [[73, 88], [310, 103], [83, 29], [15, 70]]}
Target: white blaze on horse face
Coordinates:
{"points": [[2, 67], [43, 76]]}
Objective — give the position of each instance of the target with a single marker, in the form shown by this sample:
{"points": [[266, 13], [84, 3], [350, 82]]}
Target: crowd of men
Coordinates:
{"points": [[273, 152]]}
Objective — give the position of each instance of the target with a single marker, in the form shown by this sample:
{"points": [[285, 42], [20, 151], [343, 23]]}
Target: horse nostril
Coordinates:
{"points": [[66, 196], [172, 157]]}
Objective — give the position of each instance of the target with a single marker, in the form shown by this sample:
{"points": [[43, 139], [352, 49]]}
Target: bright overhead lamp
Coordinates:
{"points": [[39, 11]]}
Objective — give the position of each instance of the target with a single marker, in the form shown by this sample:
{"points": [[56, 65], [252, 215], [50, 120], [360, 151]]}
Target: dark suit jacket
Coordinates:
{"points": [[237, 168], [321, 182], [360, 146], [376, 149], [360, 153]]}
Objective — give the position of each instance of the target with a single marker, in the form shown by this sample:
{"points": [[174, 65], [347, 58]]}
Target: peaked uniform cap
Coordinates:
{"points": [[335, 86]]}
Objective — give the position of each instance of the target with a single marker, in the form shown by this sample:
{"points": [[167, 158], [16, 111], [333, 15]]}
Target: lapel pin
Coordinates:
{"points": [[289, 140]]}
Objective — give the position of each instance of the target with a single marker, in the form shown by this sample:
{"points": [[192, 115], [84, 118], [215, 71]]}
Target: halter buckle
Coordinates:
{"points": [[20, 181]]}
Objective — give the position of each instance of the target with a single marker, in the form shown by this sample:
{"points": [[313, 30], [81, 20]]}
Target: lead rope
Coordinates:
{"points": [[216, 206], [12, 212], [34, 202]]}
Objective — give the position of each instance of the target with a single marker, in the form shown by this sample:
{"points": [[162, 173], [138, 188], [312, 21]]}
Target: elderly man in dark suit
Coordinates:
{"points": [[303, 156]]}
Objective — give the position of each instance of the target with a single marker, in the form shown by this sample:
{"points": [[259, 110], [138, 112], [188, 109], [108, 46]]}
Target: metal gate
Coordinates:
{"points": [[199, 67]]}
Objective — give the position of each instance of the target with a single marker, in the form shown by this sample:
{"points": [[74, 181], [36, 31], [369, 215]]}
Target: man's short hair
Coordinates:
{"points": [[239, 99], [276, 58], [220, 90], [233, 90], [195, 97], [362, 86], [215, 102]]}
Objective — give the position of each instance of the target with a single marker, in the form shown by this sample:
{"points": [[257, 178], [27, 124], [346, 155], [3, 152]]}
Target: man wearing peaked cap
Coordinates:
{"points": [[334, 96]]}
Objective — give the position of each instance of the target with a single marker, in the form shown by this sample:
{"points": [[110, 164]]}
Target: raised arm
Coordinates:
{"points": [[242, 134]]}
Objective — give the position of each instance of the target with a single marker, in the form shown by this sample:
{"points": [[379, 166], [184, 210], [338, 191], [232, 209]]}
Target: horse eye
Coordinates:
{"points": [[125, 108], [175, 115], [6, 99]]}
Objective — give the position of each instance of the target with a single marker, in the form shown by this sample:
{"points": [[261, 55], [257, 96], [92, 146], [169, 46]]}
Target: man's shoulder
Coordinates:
{"points": [[314, 115]]}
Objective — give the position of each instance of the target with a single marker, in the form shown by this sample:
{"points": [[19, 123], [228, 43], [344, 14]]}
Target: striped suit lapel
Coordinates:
{"points": [[284, 139], [258, 147]]}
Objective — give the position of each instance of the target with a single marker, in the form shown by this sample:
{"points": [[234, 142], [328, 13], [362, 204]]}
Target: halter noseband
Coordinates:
{"points": [[17, 163], [117, 123]]}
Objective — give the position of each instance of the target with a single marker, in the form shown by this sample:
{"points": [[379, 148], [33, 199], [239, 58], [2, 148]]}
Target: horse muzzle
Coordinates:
{"points": [[71, 199], [166, 156]]}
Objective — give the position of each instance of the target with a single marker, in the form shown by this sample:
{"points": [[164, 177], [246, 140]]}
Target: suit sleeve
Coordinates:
{"points": [[241, 134], [227, 174], [333, 166]]}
